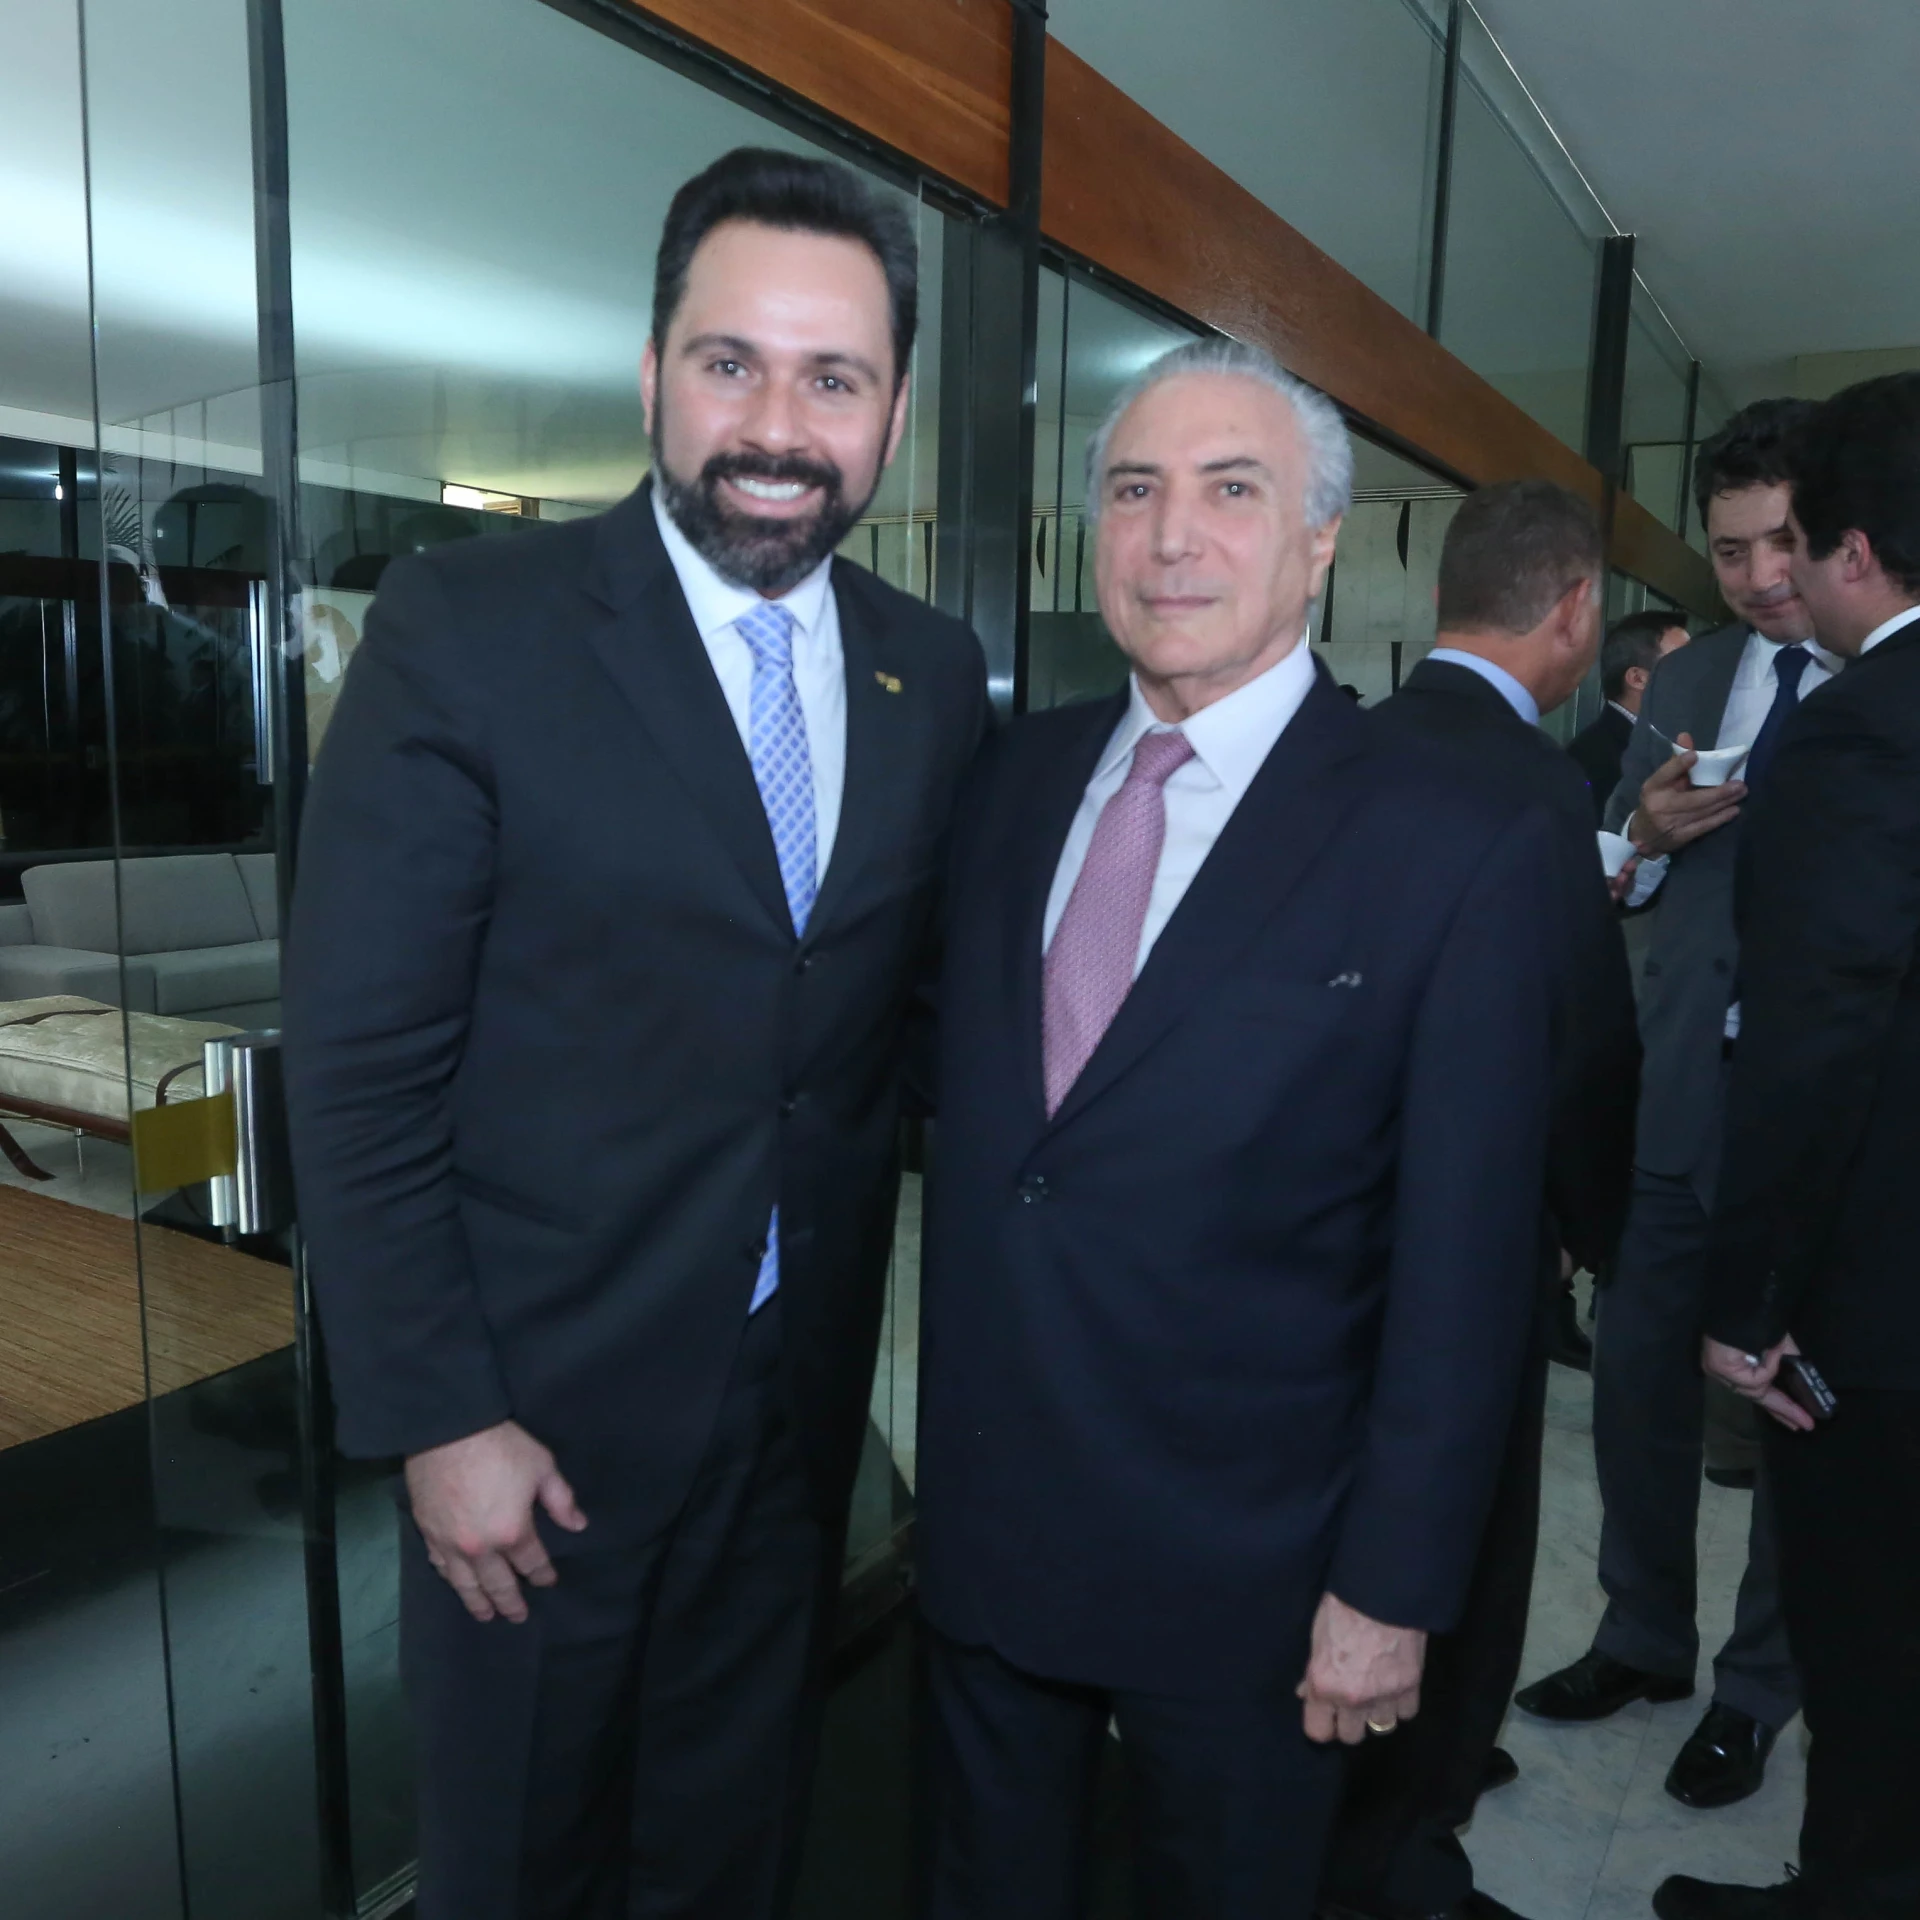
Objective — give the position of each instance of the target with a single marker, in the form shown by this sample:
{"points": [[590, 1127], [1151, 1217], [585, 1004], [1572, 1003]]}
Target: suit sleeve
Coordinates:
{"points": [[1828, 905], [1465, 1269], [395, 884], [1645, 751]]}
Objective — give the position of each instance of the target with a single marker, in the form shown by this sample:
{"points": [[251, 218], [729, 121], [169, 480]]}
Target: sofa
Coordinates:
{"points": [[200, 932]]}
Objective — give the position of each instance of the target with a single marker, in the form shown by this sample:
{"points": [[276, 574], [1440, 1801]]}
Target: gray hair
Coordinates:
{"points": [[1329, 490]]}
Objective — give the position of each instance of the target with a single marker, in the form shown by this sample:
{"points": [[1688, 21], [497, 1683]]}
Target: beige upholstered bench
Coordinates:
{"points": [[64, 1062]]}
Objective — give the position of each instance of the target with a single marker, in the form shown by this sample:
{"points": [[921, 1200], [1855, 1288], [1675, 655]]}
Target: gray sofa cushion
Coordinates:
{"points": [[258, 876], [16, 926], [191, 981], [168, 903], [27, 973]]}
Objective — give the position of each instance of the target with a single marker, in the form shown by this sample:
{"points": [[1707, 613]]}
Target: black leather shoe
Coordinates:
{"points": [[1595, 1686], [1684, 1898], [1739, 1479], [1501, 1770], [1566, 1338], [1724, 1760]]}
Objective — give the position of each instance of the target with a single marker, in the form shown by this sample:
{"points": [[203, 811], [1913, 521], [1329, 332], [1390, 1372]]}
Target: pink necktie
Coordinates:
{"points": [[1089, 969]]}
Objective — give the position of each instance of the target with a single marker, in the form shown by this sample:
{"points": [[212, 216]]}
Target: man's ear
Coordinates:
{"points": [[649, 382], [1637, 678], [1568, 621]]}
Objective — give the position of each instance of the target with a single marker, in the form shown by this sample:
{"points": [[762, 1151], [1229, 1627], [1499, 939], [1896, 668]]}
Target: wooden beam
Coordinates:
{"points": [[929, 78]]}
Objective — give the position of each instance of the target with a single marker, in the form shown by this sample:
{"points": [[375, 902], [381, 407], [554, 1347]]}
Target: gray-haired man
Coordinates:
{"points": [[1244, 1079]]}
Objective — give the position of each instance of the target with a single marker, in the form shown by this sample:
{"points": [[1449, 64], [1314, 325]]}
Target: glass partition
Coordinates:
{"points": [[1653, 422], [1522, 252], [1328, 114], [1375, 621]]}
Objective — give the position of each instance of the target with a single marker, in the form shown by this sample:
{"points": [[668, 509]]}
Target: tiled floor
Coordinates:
{"points": [[1587, 1832]]}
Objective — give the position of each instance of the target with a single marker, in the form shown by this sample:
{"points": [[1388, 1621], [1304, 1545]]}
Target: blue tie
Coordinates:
{"points": [[783, 771], [1788, 665]]}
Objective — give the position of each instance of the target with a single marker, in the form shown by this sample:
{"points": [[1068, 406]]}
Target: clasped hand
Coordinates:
{"points": [[1361, 1676], [473, 1501]]}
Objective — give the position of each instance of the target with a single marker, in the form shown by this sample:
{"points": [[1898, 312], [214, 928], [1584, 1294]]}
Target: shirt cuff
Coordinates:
{"points": [[1647, 877]]}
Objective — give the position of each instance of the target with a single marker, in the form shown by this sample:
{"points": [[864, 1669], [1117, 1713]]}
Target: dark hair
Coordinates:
{"points": [[1856, 467], [1750, 450], [798, 195], [1635, 642], [1512, 551]]}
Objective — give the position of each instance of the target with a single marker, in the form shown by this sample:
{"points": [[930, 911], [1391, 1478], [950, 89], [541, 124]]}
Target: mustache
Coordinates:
{"points": [[740, 464]]}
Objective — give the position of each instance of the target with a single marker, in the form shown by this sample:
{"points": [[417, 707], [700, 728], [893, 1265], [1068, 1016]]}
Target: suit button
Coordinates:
{"points": [[790, 1106], [804, 963], [1033, 1189]]}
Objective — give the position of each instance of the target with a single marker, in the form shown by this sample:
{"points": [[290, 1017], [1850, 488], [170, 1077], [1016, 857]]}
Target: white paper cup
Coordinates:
{"points": [[1717, 765], [1615, 851]]}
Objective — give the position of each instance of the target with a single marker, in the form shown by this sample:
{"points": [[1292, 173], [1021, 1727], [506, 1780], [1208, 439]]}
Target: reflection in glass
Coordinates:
{"points": [[1654, 421]]}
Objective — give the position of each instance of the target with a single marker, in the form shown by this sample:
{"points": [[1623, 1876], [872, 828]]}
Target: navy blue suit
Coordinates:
{"points": [[1246, 1319]]}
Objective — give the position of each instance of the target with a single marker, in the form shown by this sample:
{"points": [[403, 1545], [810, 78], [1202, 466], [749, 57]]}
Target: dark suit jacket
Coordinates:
{"points": [[1597, 1056], [553, 1050], [1819, 1208], [1597, 751], [1693, 953], [1247, 1316]]}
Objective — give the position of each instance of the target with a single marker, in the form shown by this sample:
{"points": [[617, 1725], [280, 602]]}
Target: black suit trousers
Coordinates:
{"points": [[1394, 1847], [643, 1745], [1229, 1799], [1847, 1500]]}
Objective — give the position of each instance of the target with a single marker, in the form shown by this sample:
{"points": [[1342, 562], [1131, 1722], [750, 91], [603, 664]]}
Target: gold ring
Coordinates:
{"points": [[1374, 1726]]}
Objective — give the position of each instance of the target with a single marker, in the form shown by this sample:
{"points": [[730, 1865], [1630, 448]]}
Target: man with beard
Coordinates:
{"points": [[616, 890]]}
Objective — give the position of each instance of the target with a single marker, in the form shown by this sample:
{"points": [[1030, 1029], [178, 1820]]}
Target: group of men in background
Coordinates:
{"points": [[1283, 1054]]}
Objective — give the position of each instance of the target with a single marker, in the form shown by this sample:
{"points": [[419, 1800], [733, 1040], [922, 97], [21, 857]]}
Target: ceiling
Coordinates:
{"points": [[1765, 152]]}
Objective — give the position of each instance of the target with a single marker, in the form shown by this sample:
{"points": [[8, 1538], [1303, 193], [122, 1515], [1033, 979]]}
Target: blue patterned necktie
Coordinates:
{"points": [[783, 771]]}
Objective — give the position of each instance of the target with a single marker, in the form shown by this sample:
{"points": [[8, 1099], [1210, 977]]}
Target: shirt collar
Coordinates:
{"points": [[1625, 713], [1497, 677], [1905, 617], [716, 602], [1232, 737], [1761, 651]]}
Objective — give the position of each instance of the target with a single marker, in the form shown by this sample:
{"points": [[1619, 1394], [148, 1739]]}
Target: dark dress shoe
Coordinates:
{"points": [[1501, 1770], [1595, 1686], [1739, 1479], [1724, 1760], [1566, 1339], [1684, 1898]]}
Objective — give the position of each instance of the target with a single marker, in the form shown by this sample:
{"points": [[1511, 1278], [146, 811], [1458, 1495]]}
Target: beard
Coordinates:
{"points": [[766, 555]]}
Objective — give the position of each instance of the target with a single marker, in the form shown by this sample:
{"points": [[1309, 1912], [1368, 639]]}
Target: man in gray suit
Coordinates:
{"points": [[1732, 688]]}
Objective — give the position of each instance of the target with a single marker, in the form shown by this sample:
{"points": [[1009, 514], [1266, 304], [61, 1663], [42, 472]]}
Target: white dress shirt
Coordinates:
{"points": [[1230, 740], [1497, 677], [819, 666], [1905, 617]]}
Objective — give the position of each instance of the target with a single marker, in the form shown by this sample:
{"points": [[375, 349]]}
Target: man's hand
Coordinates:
{"points": [[1359, 1671], [1756, 1383], [1672, 811], [473, 1502], [1620, 887]]}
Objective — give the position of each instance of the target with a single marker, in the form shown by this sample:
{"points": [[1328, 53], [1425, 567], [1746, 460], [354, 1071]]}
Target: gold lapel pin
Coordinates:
{"points": [[888, 681]]}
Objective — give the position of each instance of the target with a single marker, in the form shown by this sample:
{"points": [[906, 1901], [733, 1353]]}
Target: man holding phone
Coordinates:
{"points": [[1818, 1211]]}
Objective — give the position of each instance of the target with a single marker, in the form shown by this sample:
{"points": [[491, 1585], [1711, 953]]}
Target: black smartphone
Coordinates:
{"points": [[1800, 1380]]}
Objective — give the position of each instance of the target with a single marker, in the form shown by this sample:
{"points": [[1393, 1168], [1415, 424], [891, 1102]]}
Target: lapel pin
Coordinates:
{"points": [[888, 681]]}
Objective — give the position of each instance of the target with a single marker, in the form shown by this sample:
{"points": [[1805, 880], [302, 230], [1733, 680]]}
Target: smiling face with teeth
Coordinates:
{"points": [[773, 403]]}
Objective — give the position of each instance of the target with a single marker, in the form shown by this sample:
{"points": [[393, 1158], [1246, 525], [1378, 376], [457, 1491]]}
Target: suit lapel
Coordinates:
{"points": [[650, 647], [1716, 688], [1296, 802], [1046, 819], [878, 733]]}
